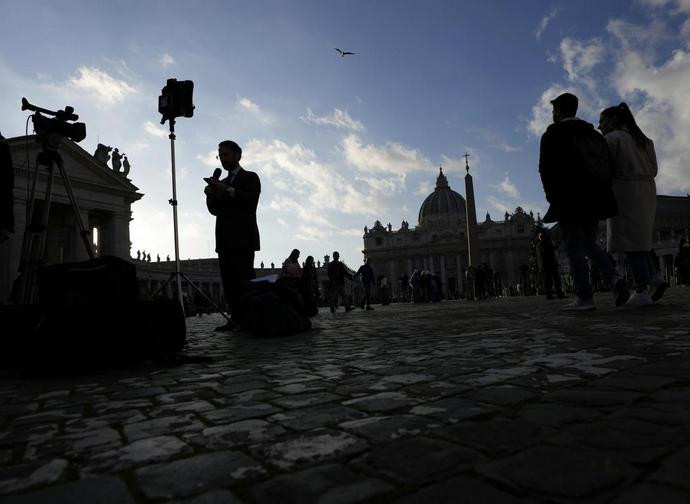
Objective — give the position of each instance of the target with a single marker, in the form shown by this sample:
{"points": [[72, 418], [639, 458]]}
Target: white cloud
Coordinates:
{"points": [[166, 60], [356, 233], [507, 187], [499, 205], [98, 83], [678, 6], [339, 119], [257, 111], [544, 23], [209, 159], [424, 188], [393, 158], [493, 139], [580, 57], [155, 130]]}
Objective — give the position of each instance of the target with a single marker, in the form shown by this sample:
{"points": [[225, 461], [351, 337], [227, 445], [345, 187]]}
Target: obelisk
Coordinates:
{"points": [[471, 215]]}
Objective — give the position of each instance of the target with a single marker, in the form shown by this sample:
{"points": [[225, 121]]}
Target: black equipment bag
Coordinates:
{"points": [[93, 308], [270, 310]]}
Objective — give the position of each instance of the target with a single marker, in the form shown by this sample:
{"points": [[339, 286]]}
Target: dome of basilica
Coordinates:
{"points": [[443, 204]]}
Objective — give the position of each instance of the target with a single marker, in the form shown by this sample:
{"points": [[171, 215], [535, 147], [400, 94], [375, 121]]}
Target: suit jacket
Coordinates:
{"points": [[236, 227], [573, 195]]}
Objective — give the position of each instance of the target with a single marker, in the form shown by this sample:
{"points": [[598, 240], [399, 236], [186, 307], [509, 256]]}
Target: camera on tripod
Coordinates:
{"points": [[60, 125], [176, 100]]}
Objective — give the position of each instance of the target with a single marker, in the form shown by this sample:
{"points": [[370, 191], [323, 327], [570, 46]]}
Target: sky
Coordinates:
{"points": [[340, 142]]}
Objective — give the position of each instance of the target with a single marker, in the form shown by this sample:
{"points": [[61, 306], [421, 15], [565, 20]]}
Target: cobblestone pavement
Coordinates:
{"points": [[506, 400]]}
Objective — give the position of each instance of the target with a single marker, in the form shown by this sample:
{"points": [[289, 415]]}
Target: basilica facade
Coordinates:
{"points": [[439, 241]]}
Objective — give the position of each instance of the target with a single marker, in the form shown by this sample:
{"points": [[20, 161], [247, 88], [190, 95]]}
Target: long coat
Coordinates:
{"points": [[236, 227], [572, 194], [633, 184]]}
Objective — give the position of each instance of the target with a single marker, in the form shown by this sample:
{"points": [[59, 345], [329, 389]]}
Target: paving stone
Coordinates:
{"points": [[193, 475], [240, 412], [383, 401], [76, 444], [103, 490], [453, 409], [323, 415], [639, 383], [141, 452], [557, 471], [556, 414], [419, 459], [239, 433], [502, 395], [182, 407], [213, 497], [674, 470], [381, 429], [46, 474], [645, 493], [161, 426], [462, 489], [318, 445], [494, 436], [302, 400], [326, 484], [594, 397]]}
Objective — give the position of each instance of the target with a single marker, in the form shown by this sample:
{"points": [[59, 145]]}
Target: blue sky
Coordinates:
{"points": [[341, 142]]}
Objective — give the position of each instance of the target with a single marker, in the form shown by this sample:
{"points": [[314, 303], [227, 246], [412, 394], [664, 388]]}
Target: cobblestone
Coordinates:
{"points": [[507, 400]]}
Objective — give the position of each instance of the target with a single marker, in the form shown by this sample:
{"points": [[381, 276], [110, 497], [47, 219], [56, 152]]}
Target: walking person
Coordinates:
{"points": [[574, 165], [336, 275], [233, 201], [549, 263], [682, 262], [291, 268], [634, 168], [309, 287], [366, 275]]}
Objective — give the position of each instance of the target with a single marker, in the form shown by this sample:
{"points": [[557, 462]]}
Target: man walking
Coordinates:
{"points": [[336, 275], [366, 275], [573, 165], [233, 200]]}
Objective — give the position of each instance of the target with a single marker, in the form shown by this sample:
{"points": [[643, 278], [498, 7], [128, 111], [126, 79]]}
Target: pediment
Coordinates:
{"points": [[82, 168]]}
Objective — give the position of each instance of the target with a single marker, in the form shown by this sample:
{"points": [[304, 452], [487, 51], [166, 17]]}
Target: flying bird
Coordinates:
{"points": [[343, 53]]}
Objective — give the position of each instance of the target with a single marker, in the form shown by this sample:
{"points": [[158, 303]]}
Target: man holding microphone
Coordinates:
{"points": [[233, 200]]}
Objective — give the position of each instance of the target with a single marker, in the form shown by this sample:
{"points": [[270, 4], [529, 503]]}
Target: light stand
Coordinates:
{"points": [[177, 274]]}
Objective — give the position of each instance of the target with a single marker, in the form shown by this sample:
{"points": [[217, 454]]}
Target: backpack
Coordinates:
{"points": [[270, 310], [592, 152]]}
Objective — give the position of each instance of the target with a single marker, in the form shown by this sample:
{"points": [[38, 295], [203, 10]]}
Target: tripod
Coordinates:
{"points": [[34, 241], [177, 274]]}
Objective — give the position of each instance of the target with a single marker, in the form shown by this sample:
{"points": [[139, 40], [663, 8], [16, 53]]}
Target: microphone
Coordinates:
{"points": [[216, 174]]}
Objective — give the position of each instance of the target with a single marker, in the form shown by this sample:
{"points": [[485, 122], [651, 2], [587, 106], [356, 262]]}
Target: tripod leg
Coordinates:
{"points": [[208, 299], [83, 232], [163, 286], [33, 247]]}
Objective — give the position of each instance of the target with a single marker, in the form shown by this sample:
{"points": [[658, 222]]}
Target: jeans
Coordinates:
{"points": [[642, 267], [580, 242]]}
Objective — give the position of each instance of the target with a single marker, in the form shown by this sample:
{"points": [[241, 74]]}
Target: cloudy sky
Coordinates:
{"points": [[341, 142]]}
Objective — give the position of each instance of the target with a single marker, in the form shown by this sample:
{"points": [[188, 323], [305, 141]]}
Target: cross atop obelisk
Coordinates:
{"points": [[467, 164], [471, 216]]}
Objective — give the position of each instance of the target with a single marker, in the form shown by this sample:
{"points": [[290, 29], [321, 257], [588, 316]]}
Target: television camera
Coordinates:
{"points": [[59, 125]]}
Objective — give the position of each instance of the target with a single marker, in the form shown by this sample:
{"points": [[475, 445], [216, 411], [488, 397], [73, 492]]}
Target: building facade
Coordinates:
{"points": [[439, 243]]}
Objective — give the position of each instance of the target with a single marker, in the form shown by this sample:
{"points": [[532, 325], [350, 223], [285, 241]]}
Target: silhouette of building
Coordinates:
{"points": [[439, 242]]}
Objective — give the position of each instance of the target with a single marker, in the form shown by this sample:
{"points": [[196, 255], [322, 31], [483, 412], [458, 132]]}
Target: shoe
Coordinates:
{"points": [[658, 289], [332, 310], [640, 299], [349, 308], [620, 292], [369, 308], [362, 306], [579, 305]]}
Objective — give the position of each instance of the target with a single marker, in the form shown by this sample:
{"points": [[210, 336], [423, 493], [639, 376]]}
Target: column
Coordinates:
{"points": [[461, 276], [431, 264], [443, 276]]}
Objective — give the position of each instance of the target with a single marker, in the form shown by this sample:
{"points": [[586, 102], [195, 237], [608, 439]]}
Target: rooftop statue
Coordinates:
{"points": [[101, 153], [126, 166], [116, 162]]}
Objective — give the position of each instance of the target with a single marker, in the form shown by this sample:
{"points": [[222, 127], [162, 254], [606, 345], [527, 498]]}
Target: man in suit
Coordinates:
{"points": [[233, 200]]}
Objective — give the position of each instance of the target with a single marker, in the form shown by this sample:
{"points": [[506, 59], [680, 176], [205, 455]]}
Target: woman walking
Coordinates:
{"points": [[635, 166]]}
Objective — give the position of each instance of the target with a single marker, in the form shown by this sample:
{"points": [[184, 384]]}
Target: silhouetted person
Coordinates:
{"points": [[577, 198], [634, 168], [415, 286], [158, 258], [291, 268], [233, 200], [682, 262], [309, 287], [336, 275], [404, 288], [547, 252], [6, 191], [366, 275], [167, 257]]}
